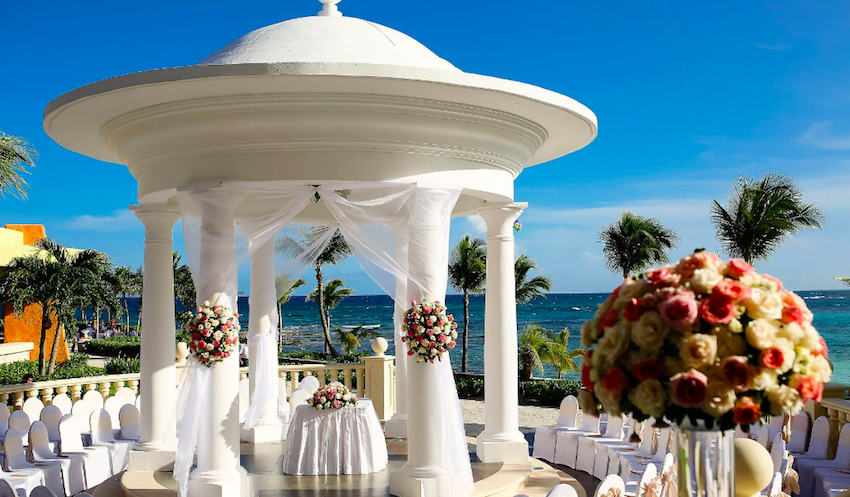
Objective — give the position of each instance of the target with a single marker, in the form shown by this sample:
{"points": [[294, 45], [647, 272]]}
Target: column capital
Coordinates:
{"points": [[500, 217], [158, 220]]}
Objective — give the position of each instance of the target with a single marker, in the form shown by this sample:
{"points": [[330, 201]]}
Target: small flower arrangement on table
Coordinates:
{"points": [[332, 397], [703, 339], [215, 333], [428, 332]]}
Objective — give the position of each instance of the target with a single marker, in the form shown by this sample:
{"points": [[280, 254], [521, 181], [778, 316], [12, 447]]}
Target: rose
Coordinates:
{"points": [[784, 399], [688, 389], [698, 349], [760, 333], [632, 288], [792, 315], [647, 370], [772, 358], [609, 319], [820, 368], [586, 369], [735, 371], [680, 311], [717, 310], [615, 380], [775, 281], [662, 277], [731, 290], [613, 343], [633, 310], [737, 268], [794, 301], [762, 378], [610, 401], [719, 399], [587, 403], [763, 304], [586, 334], [792, 331], [746, 411], [704, 280], [649, 396], [811, 339], [808, 387], [649, 331]]}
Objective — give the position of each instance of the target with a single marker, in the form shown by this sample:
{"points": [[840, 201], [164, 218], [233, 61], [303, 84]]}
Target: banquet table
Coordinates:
{"points": [[335, 441]]}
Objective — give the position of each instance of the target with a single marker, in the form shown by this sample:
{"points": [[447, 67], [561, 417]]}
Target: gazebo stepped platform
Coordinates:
{"points": [[263, 463]]}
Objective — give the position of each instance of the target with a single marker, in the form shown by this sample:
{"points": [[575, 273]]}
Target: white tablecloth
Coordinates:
{"points": [[335, 442]]}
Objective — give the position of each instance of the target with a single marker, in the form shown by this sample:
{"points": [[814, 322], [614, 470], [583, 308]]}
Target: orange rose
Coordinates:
{"points": [[746, 411]]}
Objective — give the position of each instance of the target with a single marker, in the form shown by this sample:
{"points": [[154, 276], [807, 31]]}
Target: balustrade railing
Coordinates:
{"points": [[75, 388]]}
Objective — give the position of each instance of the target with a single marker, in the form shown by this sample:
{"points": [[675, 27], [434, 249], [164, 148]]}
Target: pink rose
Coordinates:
{"points": [[735, 371], [688, 389], [791, 300], [731, 290], [823, 350], [717, 310], [337, 404], [737, 268], [808, 386], [662, 277], [772, 358], [680, 311]]}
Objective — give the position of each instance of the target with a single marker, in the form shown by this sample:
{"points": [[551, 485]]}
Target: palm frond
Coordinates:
{"points": [[634, 243], [17, 157]]}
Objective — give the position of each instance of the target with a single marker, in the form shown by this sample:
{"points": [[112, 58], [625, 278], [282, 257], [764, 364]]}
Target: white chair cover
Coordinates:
{"points": [[33, 406], [6, 489], [103, 436], [775, 426], [50, 416], [126, 394], [20, 422], [298, 397], [635, 461], [4, 421], [649, 477], [763, 438], [545, 436], [806, 467], [778, 453], [587, 446], [43, 492], [113, 406], [836, 486], [139, 403], [73, 475], [566, 442], [568, 412], [131, 428], [603, 451], [800, 425], [16, 459], [82, 412], [95, 459], [309, 384], [94, 398], [63, 402], [562, 490], [774, 489], [611, 483], [819, 443], [20, 483]]}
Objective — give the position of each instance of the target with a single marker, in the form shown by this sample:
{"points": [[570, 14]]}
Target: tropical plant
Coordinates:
{"points": [[539, 346], [634, 243], [349, 340], [760, 215], [59, 282], [468, 274], [527, 289], [124, 287], [288, 287], [184, 285], [329, 297], [336, 251], [17, 156]]}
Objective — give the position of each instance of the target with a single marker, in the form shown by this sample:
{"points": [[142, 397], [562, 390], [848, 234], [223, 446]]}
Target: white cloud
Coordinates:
{"points": [[478, 224], [820, 135], [666, 210], [120, 220], [774, 47]]}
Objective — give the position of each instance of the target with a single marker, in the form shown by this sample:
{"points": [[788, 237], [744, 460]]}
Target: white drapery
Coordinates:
{"points": [[399, 232]]}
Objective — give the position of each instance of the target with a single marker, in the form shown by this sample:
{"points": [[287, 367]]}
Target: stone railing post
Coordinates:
{"points": [[379, 379], [76, 392]]}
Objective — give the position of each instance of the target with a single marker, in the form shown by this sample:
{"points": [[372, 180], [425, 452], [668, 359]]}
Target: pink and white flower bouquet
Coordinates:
{"points": [[215, 333], [428, 332], [332, 397], [704, 339]]}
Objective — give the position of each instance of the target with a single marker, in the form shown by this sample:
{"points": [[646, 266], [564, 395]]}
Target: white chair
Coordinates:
{"points": [[806, 467], [131, 427], [587, 446], [20, 422], [615, 453], [126, 394], [739, 433], [613, 484], [298, 397], [656, 455], [562, 490], [309, 384], [546, 436], [775, 426], [73, 475], [566, 441], [836, 486], [33, 406], [823, 475], [103, 436], [43, 492], [16, 459], [763, 439], [20, 483], [50, 416], [138, 403], [82, 411], [800, 426], [778, 454], [94, 398], [63, 402], [819, 442], [113, 406], [244, 400], [6, 489], [601, 460], [4, 421], [637, 488], [95, 459]]}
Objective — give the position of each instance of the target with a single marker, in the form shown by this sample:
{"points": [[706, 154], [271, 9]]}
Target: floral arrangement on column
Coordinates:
{"points": [[428, 332], [703, 339], [333, 396], [215, 333]]}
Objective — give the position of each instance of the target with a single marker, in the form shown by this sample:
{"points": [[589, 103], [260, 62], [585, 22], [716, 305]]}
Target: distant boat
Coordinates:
{"points": [[576, 308]]}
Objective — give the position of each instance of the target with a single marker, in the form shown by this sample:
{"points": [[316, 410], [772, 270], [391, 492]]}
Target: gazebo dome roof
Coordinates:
{"points": [[328, 40]]}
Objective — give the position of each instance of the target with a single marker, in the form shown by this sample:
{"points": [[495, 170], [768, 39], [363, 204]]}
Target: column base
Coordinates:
{"points": [[418, 482], [263, 433], [502, 447], [151, 457], [232, 483], [396, 427]]}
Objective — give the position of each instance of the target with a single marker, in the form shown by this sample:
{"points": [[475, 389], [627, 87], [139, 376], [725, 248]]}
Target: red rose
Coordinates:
{"points": [[792, 315], [647, 370], [717, 310], [731, 290], [410, 333], [227, 354], [452, 344], [431, 345], [202, 344], [772, 358], [735, 370], [689, 389], [746, 411], [585, 378], [737, 268], [615, 380], [196, 336], [609, 319], [420, 338], [216, 344], [633, 310], [409, 352], [218, 353], [809, 388]]}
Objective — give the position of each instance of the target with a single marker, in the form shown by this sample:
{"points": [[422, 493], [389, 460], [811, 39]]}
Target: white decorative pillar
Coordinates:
{"points": [[153, 452], [263, 319], [501, 440], [218, 473]]}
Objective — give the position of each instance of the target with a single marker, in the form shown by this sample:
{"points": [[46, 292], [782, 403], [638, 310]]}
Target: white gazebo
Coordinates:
{"points": [[310, 101]]}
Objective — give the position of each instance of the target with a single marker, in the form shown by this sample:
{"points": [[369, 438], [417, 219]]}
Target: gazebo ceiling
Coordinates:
{"points": [[317, 99]]}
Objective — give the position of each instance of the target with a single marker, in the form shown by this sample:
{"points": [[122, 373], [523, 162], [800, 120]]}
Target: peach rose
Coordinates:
{"points": [[649, 331], [689, 389], [795, 306], [746, 411], [717, 310], [737, 268], [808, 387], [730, 289], [663, 277]]}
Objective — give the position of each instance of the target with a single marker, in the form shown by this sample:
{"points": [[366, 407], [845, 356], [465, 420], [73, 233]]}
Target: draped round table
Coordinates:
{"points": [[335, 441]]}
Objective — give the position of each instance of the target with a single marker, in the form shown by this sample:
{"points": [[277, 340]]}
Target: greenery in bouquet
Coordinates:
{"points": [[215, 333], [428, 332], [705, 340], [332, 396]]}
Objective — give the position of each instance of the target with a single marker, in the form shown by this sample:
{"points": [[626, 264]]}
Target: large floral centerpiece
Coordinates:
{"points": [[333, 396], [215, 333], [711, 341], [428, 332]]}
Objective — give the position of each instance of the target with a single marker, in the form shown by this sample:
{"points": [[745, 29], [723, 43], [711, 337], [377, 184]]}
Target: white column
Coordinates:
{"points": [[218, 473], [396, 427], [263, 318], [157, 354], [501, 440]]}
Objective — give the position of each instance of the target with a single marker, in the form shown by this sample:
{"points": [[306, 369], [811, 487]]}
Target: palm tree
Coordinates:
{"points": [[349, 340], [468, 273], [336, 251], [16, 157], [184, 285], [760, 215], [137, 286], [634, 243], [539, 346], [288, 287], [329, 297], [527, 289], [59, 282]]}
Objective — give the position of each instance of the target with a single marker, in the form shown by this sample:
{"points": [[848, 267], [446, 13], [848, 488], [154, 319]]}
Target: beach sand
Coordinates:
{"points": [[530, 417]]}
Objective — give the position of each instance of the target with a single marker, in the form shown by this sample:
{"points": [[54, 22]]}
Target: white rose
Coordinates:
{"points": [[762, 379], [650, 397], [704, 280], [206, 303], [319, 407], [803, 361], [214, 322], [338, 396], [419, 358], [788, 354], [610, 402], [792, 331], [821, 369], [719, 399], [698, 349], [810, 339], [649, 331], [586, 333], [784, 399], [323, 399], [612, 345], [761, 333], [217, 335], [735, 326], [632, 288], [764, 304], [454, 335], [209, 346]]}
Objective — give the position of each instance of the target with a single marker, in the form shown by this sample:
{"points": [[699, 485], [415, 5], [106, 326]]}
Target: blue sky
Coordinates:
{"points": [[688, 98]]}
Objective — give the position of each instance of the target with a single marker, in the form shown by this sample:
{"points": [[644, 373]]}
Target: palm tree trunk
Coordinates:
{"points": [[127, 313], [320, 297], [465, 354], [139, 317], [43, 339], [54, 348]]}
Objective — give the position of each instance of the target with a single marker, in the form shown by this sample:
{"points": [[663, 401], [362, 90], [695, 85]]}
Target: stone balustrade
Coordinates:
{"points": [[75, 388]]}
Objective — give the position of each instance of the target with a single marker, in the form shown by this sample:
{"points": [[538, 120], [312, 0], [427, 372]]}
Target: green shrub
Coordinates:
{"points": [[547, 393], [116, 346], [122, 366], [14, 372], [469, 387]]}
